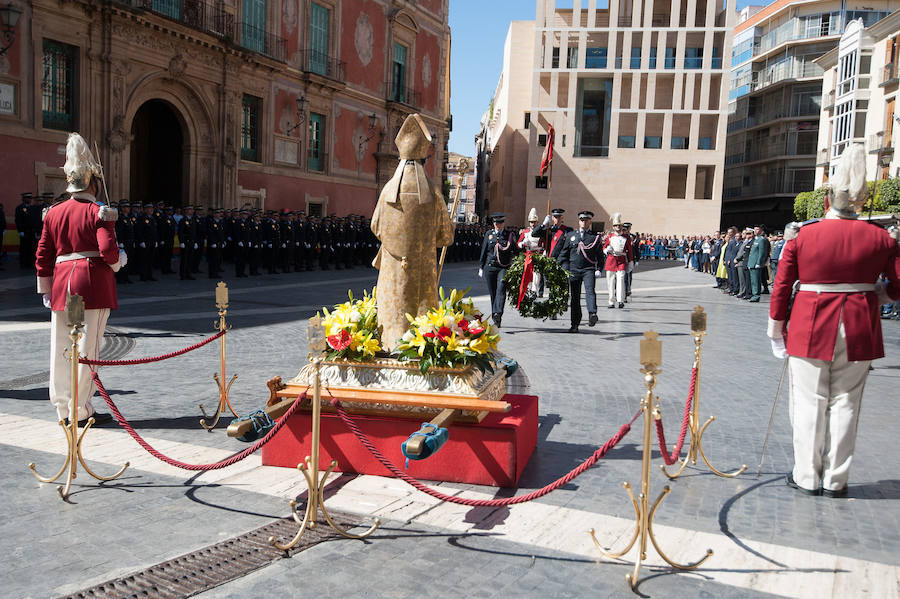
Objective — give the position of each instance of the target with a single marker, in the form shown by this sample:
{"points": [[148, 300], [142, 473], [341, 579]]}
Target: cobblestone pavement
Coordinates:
{"points": [[588, 385]]}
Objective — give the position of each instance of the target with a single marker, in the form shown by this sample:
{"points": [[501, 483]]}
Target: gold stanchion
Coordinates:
{"points": [[222, 305], [698, 331], [315, 498], [74, 319], [651, 359]]}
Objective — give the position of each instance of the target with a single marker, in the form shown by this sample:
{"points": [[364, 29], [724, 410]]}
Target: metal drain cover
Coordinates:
{"points": [[207, 568]]}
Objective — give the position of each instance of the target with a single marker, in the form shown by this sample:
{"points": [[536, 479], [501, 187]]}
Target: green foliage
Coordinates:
{"points": [[810, 204], [800, 203], [889, 197], [556, 281]]}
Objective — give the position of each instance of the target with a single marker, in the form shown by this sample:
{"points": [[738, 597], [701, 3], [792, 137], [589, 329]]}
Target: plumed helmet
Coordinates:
{"points": [[849, 182], [616, 219], [80, 164], [532, 216]]}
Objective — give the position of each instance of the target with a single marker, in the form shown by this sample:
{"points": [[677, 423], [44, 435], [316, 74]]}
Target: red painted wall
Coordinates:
{"points": [[285, 104], [428, 45], [369, 75], [17, 167], [348, 126], [288, 192]]}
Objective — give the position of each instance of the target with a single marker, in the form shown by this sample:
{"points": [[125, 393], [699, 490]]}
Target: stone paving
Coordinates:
{"points": [[588, 385]]}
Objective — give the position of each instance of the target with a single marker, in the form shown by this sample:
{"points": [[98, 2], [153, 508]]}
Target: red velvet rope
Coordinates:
{"points": [[174, 354], [670, 459], [479, 502], [184, 466]]}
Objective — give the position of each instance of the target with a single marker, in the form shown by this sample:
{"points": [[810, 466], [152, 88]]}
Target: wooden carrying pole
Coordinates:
{"points": [[462, 165]]}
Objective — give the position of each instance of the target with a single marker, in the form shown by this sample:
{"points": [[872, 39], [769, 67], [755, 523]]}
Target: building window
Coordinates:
{"points": [[626, 141], [253, 29], [595, 58], [846, 74], [677, 181], [170, 8], [572, 58], [58, 86], [679, 143], [693, 58], [555, 60], [705, 143], [540, 182], [635, 57], [314, 209], [316, 161], [592, 112], [542, 140], [653, 57], [843, 122], [398, 91], [250, 128], [670, 58], [319, 18], [528, 120], [653, 142]]}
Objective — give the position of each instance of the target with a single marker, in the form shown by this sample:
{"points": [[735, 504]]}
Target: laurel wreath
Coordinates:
{"points": [[556, 282]]}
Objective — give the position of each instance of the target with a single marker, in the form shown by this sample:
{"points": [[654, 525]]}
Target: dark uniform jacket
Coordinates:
{"points": [[572, 257], [498, 248]]}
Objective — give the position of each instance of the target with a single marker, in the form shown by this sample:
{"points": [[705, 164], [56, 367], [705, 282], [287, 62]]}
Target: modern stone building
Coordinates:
{"points": [[280, 104], [636, 95], [860, 85], [775, 102]]}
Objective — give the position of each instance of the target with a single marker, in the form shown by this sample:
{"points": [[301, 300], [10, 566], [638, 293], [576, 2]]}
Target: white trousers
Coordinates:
{"points": [[61, 368], [615, 285], [825, 404]]}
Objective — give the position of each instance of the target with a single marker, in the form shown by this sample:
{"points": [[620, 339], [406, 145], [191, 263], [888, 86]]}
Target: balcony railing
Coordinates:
{"points": [[196, 14], [790, 145], [403, 94], [777, 183], [889, 75], [789, 69], [320, 63], [829, 100], [262, 41], [878, 143]]}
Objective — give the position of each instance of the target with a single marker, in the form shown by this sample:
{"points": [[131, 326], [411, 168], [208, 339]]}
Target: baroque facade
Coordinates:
{"points": [[197, 103], [636, 95]]}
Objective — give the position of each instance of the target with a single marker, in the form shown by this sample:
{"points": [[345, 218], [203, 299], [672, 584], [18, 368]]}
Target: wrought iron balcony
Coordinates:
{"points": [[196, 14], [402, 94], [889, 75], [259, 40], [313, 61]]}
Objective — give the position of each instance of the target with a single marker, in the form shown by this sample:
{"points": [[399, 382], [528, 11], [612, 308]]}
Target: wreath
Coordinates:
{"points": [[556, 282]]}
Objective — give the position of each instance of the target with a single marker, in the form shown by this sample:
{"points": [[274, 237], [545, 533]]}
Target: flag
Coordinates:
{"points": [[547, 158]]}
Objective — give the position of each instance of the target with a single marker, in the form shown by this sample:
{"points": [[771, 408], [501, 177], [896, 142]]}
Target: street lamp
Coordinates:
{"points": [[301, 114], [9, 18], [373, 120]]}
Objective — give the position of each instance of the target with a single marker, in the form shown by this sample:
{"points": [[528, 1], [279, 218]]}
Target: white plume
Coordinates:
{"points": [[533, 215], [617, 218], [80, 164]]}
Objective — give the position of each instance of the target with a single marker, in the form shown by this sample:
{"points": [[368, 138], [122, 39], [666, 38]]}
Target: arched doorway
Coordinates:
{"points": [[157, 155]]}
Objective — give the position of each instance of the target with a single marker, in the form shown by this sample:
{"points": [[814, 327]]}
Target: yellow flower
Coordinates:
{"points": [[419, 341], [370, 346], [452, 343], [480, 345]]}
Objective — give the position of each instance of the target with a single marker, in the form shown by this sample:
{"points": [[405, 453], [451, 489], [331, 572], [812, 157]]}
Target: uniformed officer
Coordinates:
{"points": [[256, 242], [580, 255], [200, 223], [286, 241], [187, 242], [125, 237], [165, 224], [147, 238], [324, 241], [497, 252], [240, 233], [26, 235], [553, 223], [635, 258], [757, 262], [215, 239]]}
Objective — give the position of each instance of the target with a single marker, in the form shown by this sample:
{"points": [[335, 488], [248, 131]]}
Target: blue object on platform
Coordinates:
{"points": [[510, 364], [262, 424], [435, 437]]}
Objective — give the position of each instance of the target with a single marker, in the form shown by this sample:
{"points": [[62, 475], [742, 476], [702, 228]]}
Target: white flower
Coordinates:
{"points": [[407, 336], [355, 316], [448, 322], [463, 342]]}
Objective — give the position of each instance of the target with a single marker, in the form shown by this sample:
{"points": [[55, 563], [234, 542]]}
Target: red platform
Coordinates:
{"points": [[493, 452]]}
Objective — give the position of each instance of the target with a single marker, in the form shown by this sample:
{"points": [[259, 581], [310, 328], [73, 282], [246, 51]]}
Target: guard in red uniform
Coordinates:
{"points": [[619, 254], [77, 255], [833, 331]]}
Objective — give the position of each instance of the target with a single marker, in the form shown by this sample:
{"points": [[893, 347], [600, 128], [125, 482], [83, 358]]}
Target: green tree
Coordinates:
{"points": [[890, 195], [815, 206], [800, 203]]}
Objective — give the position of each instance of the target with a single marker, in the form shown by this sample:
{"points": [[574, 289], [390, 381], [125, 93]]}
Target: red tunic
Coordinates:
{"points": [[75, 226], [614, 263], [835, 251]]}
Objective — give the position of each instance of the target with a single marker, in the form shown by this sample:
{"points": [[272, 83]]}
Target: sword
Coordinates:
{"points": [[762, 457], [102, 172]]}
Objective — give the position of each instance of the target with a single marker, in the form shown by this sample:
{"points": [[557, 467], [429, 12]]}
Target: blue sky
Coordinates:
{"points": [[478, 29]]}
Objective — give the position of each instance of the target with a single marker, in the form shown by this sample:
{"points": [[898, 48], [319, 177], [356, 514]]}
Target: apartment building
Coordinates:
{"points": [[635, 94], [859, 87], [279, 104], [775, 101]]}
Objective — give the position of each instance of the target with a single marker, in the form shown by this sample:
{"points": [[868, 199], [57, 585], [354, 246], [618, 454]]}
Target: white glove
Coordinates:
{"points": [[214, 246], [607, 250], [283, 246], [196, 246], [123, 258], [597, 273], [121, 245], [181, 245], [46, 299], [778, 348], [240, 244], [480, 273], [144, 245], [546, 220]]}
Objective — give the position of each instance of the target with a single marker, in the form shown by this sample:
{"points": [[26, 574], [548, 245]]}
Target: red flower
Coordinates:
{"points": [[444, 333], [340, 341], [430, 335], [463, 324], [476, 330]]}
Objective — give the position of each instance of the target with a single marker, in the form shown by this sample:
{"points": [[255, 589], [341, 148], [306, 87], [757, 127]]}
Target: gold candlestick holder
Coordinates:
{"points": [[221, 325], [315, 498], [698, 331], [651, 359], [74, 439]]}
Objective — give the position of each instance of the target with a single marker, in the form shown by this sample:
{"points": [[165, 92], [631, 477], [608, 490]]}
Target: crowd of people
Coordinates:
{"points": [[159, 239]]}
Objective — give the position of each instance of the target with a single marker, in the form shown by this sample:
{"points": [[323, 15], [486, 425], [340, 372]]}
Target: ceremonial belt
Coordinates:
{"points": [[837, 287], [77, 256]]}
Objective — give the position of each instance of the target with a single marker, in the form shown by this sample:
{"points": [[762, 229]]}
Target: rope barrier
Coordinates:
{"points": [[354, 428], [670, 459], [174, 354], [184, 466]]}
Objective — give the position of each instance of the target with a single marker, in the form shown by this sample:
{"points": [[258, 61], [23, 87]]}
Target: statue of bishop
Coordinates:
{"points": [[411, 221]]}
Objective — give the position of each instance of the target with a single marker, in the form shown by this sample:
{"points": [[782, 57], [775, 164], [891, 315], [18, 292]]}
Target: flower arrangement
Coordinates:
{"points": [[452, 334], [351, 329]]}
